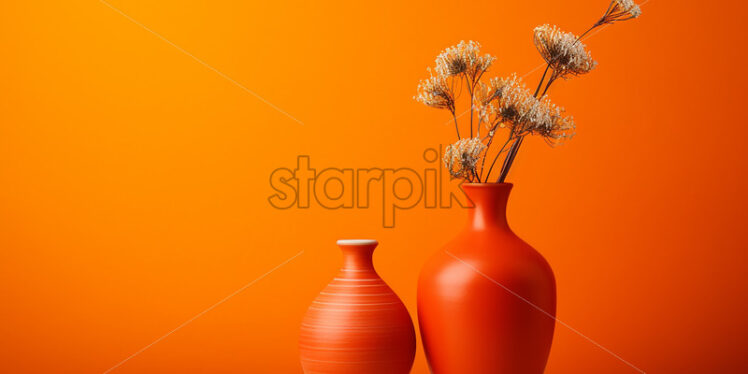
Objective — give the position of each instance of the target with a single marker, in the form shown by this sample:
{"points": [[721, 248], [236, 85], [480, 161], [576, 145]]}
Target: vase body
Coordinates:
{"points": [[487, 300], [357, 325]]}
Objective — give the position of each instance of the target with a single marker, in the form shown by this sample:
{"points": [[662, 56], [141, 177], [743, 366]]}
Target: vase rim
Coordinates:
{"points": [[488, 184], [357, 242]]}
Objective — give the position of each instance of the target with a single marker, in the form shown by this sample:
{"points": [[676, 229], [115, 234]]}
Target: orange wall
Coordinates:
{"points": [[134, 180]]}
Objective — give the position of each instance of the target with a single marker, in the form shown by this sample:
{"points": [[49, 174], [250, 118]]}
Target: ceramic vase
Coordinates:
{"points": [[357, 325], [487, 300]]}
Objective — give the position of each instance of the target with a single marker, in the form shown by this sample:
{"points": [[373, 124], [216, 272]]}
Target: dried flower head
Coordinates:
{"points": [[462, 157], [620, 10], [485, 93], [563, 51], [548, 121], [463, 58], [511, 103], [483, 102], [435, 92]]}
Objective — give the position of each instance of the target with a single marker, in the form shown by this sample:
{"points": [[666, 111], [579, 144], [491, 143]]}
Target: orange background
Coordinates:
{"points": [[134, 180]]}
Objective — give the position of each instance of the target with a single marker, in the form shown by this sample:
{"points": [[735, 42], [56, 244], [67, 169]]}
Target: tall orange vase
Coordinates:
{"points": [[357, 325], [487, 300]]}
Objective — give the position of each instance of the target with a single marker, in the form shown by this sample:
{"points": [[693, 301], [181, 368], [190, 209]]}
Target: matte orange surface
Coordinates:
{"points": [[487, 300], [134, 178]]}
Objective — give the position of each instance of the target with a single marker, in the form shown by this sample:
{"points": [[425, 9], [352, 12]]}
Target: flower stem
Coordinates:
{"points": [[498, 155], [491, 134], [510, 159], [550, 81], [547, 66], [588, 30], [471, 113], [477, 177], [457, 128]]}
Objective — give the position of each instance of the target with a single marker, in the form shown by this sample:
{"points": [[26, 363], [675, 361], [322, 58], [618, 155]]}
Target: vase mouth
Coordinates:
{"points": [[357, 242], [488, 185]]}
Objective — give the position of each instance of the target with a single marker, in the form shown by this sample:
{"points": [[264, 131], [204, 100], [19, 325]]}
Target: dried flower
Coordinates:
{"points": [[507, 102], [483, 102], [548, 121], [435, 92], [620, 10], [510, 102], [461, 157], [563, 51], [485, 93], [463, 58]]}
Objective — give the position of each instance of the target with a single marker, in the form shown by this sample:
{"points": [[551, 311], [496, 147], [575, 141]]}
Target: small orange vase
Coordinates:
{"points": [[487, 300], [357, 325]]}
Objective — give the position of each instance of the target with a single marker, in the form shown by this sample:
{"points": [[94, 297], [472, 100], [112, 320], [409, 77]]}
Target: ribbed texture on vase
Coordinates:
{"points": [[357, 325]]}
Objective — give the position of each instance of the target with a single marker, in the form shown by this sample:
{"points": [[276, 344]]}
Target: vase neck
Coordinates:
{"points": [[489, 205], [358, 253]]}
